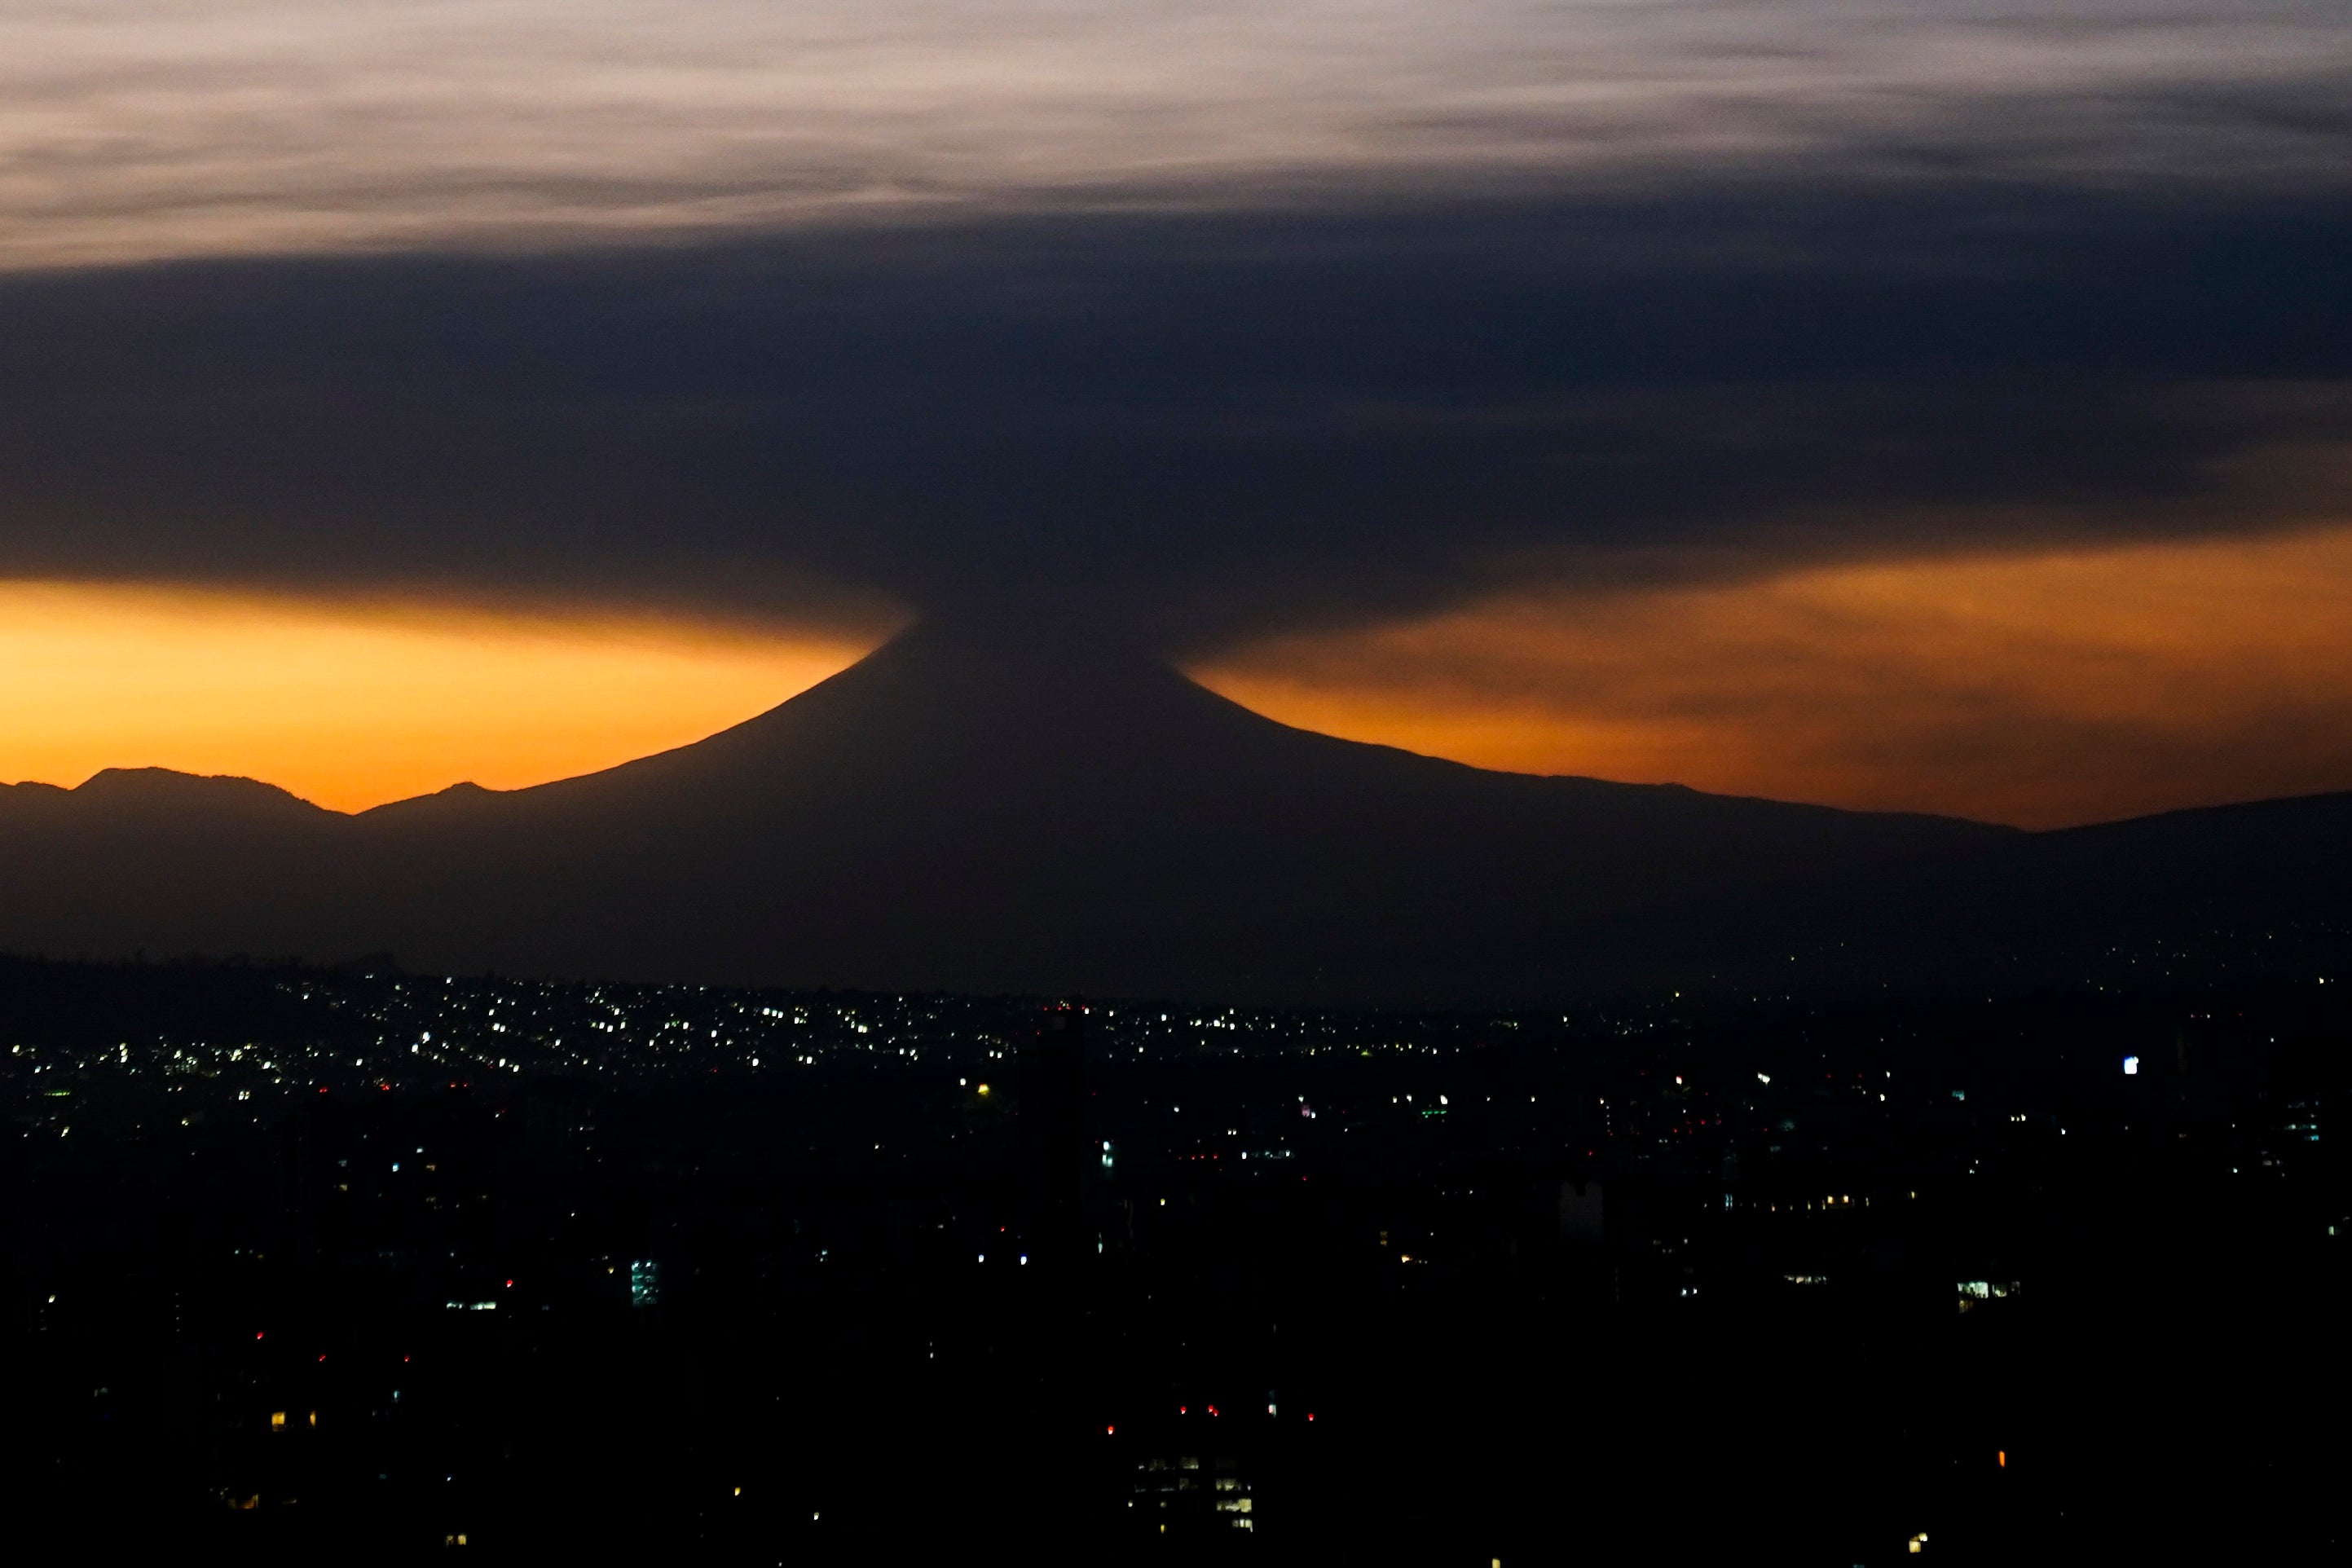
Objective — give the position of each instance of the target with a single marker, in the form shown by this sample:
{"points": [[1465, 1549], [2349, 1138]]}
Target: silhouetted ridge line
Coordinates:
{"points": [[987, 806]]}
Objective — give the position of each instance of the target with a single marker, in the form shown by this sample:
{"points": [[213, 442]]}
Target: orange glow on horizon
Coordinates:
{"points": [[350, 706], [2040, 690]]}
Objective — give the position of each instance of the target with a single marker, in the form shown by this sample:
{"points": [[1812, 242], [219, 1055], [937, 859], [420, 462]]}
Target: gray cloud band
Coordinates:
{"points": [[146, 129], [1206, 424]]}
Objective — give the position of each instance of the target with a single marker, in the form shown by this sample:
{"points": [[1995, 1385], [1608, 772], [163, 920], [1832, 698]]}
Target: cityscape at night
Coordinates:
{"points": [[312, 1257]]}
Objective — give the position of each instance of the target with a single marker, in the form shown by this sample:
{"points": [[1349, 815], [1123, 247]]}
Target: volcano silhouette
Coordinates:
{"points": [[984, 807]]}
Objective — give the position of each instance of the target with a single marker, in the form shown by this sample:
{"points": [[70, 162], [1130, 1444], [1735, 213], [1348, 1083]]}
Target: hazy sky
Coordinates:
{"points": [[167, 127], [1821, 399]]}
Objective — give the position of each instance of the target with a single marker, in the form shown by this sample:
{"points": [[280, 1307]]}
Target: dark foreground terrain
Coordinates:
{"points": [[306, 1265]]}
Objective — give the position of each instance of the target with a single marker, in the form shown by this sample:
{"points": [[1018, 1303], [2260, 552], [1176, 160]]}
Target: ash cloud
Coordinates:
{"points": [[1205, 425]]}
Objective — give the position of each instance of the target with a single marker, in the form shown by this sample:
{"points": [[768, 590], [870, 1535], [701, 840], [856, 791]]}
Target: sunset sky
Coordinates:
{"points": [[1944, 407]]}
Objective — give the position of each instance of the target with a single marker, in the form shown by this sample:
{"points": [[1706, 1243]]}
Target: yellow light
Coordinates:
{"points": [[352, 705], [2028, 688], [983, 1088], [314, 1418], [278, 1420]]}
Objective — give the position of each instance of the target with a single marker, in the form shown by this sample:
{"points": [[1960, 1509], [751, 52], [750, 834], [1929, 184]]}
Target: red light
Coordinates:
{"points": [[323, 1088], [1180, 1410], [257, 1333], [1108, 1431], [1310, 1416], [509, 1284], [1212, 1410], [322, 1360]]}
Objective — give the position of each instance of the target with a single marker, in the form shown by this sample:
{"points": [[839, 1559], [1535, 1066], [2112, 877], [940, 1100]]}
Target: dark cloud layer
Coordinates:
{"points": [[1205, 425]]}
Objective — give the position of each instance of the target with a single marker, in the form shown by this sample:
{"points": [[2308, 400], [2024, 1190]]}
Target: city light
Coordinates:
{"points": [[619, 1129]]}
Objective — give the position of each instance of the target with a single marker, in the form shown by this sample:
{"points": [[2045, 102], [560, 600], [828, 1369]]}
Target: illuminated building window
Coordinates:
{"points": [[1976, 1292]]}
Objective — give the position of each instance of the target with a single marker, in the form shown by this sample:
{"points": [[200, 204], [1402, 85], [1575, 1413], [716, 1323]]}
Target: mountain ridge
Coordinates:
{"points": [[989, 809]]}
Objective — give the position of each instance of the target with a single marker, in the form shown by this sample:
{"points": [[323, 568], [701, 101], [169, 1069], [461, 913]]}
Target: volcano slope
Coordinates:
{"points": [[984, 807]]}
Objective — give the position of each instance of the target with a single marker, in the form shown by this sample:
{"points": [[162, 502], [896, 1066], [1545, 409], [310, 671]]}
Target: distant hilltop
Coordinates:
{"points": [[974, 807]]}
